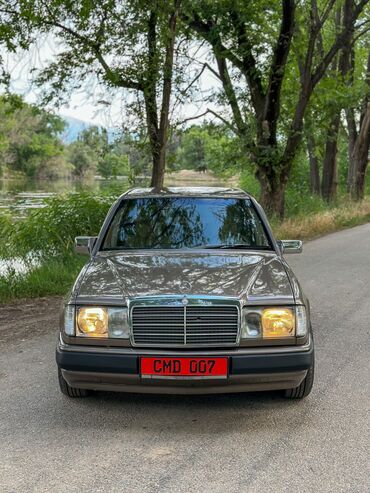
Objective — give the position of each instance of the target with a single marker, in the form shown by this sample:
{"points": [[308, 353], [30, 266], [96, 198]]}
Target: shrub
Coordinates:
{"points": [[50, 231]]}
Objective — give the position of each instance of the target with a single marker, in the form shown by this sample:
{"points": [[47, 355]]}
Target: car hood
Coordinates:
{"points": [[251, 277]]}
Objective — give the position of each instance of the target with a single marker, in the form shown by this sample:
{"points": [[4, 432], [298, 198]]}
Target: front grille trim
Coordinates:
{"points": [[198, 329]]}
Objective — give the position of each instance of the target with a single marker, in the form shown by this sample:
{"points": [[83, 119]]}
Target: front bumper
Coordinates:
{"points": [[250, 369]]}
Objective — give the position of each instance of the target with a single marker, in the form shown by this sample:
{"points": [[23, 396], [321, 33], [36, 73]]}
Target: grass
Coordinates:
{"points": [[47, 235], [54, 277], [313, 225]]}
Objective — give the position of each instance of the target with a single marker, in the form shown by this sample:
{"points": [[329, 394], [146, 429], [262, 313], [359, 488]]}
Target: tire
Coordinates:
{"points": [[304, 388], [68, 390]]}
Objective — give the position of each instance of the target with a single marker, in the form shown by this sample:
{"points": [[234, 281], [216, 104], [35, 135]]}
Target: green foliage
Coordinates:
{"points": [[82, 158], [209, 147], [44, 242], [93, 154], [88, 152], [50, 231], [29, 139], [54, 277], [192, 153], [249, 183], [135, 149], [123, 46], [96, 139], [113, 165]]}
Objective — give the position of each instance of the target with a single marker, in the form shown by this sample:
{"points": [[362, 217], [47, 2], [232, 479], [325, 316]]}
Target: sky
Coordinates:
{"points": [[79, 106], [82, 105]]}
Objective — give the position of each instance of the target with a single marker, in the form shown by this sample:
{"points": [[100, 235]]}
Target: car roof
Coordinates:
{"points": [[186, 192]]}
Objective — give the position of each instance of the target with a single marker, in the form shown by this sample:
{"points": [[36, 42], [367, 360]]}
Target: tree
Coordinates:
{"points": [[83, 159], [313, 159], [208, 147], [127, 45], [30, 139], [342, 67], [113, 165], [191, 153], [96, 139], [344, 91], [136, 150], [359, 141], [252, 66]]}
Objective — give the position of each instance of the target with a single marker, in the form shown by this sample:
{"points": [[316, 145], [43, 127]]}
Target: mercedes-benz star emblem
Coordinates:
{"points": [[185, 301], [185, 287]]}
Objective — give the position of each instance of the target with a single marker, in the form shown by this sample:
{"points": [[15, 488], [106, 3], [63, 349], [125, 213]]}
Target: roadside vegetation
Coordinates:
{"points": [[310, 226], [43, 242]]}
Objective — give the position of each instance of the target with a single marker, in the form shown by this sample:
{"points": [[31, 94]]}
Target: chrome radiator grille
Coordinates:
{"points": [[191, 325]]}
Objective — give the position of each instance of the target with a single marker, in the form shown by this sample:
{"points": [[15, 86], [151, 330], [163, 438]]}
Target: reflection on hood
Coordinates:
{"points": [[248, 276]]}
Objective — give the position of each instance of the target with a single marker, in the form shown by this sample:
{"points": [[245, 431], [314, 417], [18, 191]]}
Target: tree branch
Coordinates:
{"points": [[359, 35], [206, 30], [167, 72], [113, 76], [277, 72], [197, 77], [317, 22], [230, 94], [310, 80], [321, 21], [149, 87], [250, 69], [212, 70], [222, 54], [210, 111], [341, 39]]}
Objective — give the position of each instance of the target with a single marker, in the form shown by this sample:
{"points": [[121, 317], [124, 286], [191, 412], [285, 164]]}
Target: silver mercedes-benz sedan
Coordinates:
{"points": [[186, 291]]}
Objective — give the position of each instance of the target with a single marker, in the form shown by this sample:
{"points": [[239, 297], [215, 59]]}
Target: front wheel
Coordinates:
{"points": [[304, 388], [68, 390]]}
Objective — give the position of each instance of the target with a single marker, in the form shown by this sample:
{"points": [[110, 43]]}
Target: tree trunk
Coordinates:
{"points": [[159, 166], [360, 157], [360, 154], [329, 181], [150, 94], [351, 124], [352, 137], [314, 164], [272, 195], [159, 161]]}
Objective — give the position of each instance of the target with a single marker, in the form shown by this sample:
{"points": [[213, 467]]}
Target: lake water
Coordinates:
{"points": [[18, 196]]}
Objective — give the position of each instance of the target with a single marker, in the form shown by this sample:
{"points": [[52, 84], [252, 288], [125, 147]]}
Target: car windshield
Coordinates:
{"points": [[185, 222]]}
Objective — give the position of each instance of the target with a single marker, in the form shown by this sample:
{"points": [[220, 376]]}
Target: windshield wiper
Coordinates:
{"points": [[235, 246]]}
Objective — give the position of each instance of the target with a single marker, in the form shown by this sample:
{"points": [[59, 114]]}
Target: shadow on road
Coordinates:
{"points": [[181, 414]]}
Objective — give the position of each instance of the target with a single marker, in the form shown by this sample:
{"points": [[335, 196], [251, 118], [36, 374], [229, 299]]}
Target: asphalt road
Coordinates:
{"points": [[232, 443]]}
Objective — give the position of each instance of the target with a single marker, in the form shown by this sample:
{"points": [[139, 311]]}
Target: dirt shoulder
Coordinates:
{"points": [[27, 318]]}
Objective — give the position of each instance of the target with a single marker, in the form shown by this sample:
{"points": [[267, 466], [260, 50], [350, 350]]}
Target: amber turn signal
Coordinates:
{"points": [[278, 322]]}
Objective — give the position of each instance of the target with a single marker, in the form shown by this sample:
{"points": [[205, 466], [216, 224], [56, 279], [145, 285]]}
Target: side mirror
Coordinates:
{"points": [[290, 246], [84, 244]]}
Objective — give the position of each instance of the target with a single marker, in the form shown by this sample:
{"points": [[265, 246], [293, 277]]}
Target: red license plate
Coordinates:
{"points": [[185, 367]]}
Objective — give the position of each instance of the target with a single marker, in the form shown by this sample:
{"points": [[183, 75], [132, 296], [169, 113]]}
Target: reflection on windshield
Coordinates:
{"points": [[185, 222]]}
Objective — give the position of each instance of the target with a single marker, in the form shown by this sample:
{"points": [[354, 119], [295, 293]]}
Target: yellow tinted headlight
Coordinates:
{"points": [[278, 322], [93, 321]]}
